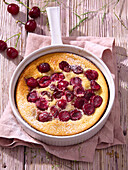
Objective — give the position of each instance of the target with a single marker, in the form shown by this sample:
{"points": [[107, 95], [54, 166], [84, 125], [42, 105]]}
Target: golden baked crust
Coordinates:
{"points": [[57, 127]]}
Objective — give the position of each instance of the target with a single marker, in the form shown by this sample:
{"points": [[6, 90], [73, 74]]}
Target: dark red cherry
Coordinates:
{"points": [[34, 12], [44, 67], [62, 85], [57, 77], [96, 101], [69, 95], [58, 94], [30, 25], [44, 81], [77, 69], [75, 114], [44, 117], [75, 81], [62, 103], [32, 97], [64, 66], [12, 52], [13, 9], [31, 82], [54, 111], [79, 102], [64, 116], [3, 45], [42, 104], [48, 94], [53, 87], [78, 91], [88, 109], [88, 93], [61, 76], [91, 74], [94, 85]]}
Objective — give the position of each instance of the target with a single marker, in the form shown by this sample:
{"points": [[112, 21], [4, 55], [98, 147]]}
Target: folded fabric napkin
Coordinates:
{"points": [[11, 133]]}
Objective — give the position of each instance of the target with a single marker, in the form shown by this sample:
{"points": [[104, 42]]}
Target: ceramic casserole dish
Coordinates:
{"points": [[57, 47]]}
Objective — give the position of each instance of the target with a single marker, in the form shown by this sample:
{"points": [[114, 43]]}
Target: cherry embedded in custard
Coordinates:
{"points": [[53, 87], [3, 45], [69, 95], [44, 67], [13, 9], [91, 74], [63, 65], [64, 116], [96, 100], [77, 69], [42, 104], [79, 102], [30, 25], [94, 85], [62, 85], [75, 114], [44, 81], [62, 103], [57, 76], [78, 91], [88, 109], [44, 117], [31, 82], [89, 93], [32, 97], [61, 76], [54, 111], [34, 12], [75, 81], [12, 52], [58, 94], [48, 94]]}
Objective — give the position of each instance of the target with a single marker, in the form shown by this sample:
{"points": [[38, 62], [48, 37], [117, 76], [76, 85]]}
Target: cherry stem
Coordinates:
{"points": [[23, 4], [17, 38], [20, 22], [5, 2]]}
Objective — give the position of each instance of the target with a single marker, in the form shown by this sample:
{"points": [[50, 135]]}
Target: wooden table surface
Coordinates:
{"points": [[107, 19]]}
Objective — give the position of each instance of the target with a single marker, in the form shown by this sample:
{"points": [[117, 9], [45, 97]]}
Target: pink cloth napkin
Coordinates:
{"points": [[11, 133]]}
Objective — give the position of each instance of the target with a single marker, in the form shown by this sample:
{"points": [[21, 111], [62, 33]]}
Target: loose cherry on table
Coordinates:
{"points": [[12, 52], [3, 45], [13, 9], [30, 25], [34, 12]]}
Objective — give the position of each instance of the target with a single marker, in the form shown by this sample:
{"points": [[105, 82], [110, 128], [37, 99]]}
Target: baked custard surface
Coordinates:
{"points": [[28, 110]]}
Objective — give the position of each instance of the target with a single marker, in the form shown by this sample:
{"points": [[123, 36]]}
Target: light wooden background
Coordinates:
{"points": [[23, 158]]}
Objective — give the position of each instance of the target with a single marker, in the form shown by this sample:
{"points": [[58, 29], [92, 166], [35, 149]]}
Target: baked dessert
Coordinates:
{"points": [[61, 94]]}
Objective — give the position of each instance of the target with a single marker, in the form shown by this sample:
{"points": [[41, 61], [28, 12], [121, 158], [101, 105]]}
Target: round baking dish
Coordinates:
{"points": [[57, 46]]}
